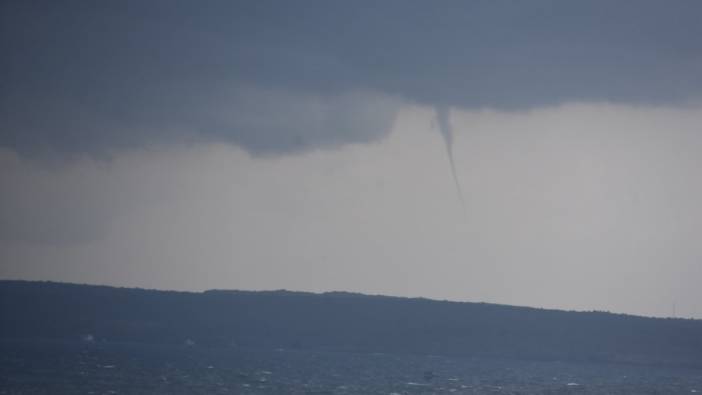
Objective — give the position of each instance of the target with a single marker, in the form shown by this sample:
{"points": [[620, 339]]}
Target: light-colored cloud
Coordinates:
{"points": [[582, 206]]}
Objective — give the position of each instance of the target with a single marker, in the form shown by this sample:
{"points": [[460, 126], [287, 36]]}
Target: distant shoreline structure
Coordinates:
{"points": [[341, 293], [341, 321]]}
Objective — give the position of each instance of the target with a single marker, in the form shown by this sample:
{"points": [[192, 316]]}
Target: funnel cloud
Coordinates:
{"points": [[443, 119], [281, 78], [259, 144]]}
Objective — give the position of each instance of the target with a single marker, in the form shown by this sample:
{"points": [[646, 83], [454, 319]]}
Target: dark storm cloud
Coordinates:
{"points": [[276, 77]]}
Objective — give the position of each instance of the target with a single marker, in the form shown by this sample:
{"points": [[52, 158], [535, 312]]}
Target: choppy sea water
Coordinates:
{"points": [[106, 368]]}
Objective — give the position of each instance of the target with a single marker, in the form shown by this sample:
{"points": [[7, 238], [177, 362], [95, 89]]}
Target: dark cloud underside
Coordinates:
{"points": [[276, 77]]}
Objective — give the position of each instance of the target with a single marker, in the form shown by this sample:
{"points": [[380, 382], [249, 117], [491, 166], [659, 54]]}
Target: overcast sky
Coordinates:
{"points": [[308, 145]]}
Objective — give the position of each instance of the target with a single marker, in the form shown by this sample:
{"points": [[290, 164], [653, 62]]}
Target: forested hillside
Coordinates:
{"points": [[340, 321]]}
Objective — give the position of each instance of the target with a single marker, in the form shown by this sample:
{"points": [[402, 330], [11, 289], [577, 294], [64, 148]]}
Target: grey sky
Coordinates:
{"points": [[262, 145], [110, 76]]}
